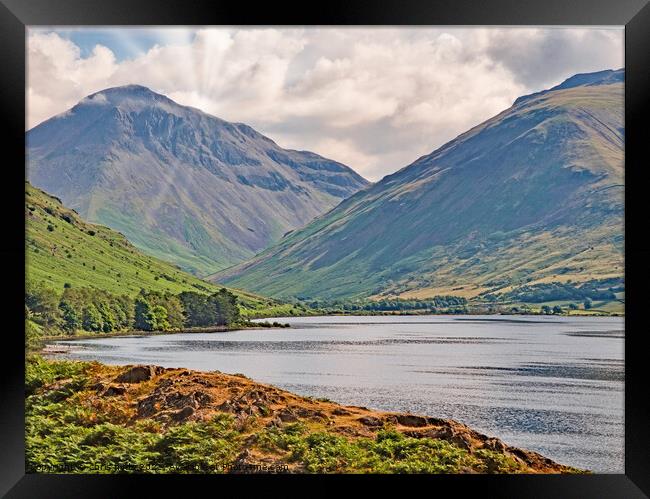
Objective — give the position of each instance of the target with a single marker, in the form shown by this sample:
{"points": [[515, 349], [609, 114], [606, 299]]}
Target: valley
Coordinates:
{"points": [[476, 291]]}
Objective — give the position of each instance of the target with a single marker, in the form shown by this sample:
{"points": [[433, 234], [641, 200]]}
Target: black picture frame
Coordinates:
{"points": [[15, 15]]}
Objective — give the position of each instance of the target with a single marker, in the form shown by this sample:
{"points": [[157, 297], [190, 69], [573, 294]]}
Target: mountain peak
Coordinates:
{"points": [[129, 97], [131, 90], [590, 79], [178, 182], [604, 77]]}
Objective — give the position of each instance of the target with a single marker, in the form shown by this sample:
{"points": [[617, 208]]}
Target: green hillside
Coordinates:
{"points": [[531, 196], [61, 249]]}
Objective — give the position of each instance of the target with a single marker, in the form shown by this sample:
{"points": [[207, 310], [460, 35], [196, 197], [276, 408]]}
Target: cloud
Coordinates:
{"points": [[539, 58], [58, 77], [372, 98]]}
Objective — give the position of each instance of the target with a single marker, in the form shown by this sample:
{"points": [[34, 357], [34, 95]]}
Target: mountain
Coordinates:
{"points": [[62, 248], [181, 184], [533, 195]]}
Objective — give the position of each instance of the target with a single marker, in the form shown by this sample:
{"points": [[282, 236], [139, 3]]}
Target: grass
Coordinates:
{"points": [[389, 452], [64, 250], [206, 257]]}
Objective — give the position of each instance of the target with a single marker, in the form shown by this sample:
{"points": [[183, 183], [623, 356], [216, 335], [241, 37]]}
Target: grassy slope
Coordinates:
{"points": [[158, 244], [463, 218], [106, 260]]}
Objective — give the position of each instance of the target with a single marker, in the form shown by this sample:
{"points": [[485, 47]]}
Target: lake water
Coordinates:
{"points": [[550, 384]]}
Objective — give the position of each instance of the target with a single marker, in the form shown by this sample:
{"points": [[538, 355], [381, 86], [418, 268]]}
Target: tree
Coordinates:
{"points": [[108, 319], [557, 309], [587, 304], [175, 312], [159, 318], [43, 304], [91, 318], [125, 314], [71, 319], [573, 306], [224, 308], [546, 309], [144, 318], [33, 333], [198, 311]]}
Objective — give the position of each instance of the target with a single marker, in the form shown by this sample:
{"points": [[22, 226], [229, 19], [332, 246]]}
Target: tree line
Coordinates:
{"points": [[98, 311], [447, 304]]}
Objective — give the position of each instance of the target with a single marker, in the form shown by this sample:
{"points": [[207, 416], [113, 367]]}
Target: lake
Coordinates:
{"points": [[550, 384]]}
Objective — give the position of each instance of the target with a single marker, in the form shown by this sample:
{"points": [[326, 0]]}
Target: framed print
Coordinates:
{"points": [[391, 242]]}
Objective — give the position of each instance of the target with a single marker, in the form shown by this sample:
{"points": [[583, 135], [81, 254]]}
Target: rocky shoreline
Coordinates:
{"points": [[171, 397]]}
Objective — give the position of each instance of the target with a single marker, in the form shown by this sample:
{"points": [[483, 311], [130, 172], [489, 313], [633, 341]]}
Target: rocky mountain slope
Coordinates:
{"points": [[533, 195], [180, 184]]}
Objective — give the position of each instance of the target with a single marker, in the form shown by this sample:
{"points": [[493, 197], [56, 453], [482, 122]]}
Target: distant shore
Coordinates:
{"points": [[277, 325], [212, 329]]}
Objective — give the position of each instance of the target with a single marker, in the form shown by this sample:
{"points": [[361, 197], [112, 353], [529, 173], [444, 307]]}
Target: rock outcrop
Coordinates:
{"points": [[174, 396]]}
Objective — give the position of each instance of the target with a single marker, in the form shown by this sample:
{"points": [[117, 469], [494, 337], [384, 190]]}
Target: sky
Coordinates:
{"points": [[375, 99]]}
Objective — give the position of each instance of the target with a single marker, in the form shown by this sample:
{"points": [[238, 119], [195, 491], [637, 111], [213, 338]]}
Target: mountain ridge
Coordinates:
{"points": [[521, 198]]}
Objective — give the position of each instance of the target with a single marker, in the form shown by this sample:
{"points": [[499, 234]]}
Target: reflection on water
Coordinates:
{"points": [[550, 384]]}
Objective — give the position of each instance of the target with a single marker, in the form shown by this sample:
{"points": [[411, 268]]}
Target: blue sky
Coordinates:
{"points": [[125, 43]]}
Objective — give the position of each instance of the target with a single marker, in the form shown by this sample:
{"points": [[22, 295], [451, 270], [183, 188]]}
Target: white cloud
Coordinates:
{"points": [[373, 98]]}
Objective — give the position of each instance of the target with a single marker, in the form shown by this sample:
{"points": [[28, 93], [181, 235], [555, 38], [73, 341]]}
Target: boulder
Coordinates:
{"points": [[495, 444], [412, 420], [137, 374], [183, 414], [113, 390], [370, 421], [287, 416]]}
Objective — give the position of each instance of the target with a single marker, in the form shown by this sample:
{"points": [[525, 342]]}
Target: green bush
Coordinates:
{"points": [[389, 452]]}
